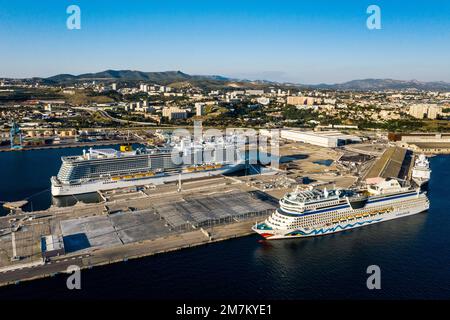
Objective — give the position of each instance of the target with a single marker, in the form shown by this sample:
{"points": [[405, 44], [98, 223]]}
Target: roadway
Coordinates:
{"points": [[108, 116]]}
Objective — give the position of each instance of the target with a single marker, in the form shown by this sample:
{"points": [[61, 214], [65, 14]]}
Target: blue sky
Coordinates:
{"points": [[301, 41]]}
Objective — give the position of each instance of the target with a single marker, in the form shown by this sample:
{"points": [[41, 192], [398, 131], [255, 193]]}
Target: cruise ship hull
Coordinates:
{"points": [[397, 211], [58, 189]]}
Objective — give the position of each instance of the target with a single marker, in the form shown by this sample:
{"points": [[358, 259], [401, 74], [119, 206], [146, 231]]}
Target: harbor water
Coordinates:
{"points": [[412, 253]]}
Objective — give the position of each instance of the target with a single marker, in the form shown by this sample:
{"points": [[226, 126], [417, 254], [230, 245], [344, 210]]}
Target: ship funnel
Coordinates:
{"points": [[325, 192]]}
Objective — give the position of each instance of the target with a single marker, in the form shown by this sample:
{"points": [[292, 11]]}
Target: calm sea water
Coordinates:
{"points": [[26, 175], [413, 254]]}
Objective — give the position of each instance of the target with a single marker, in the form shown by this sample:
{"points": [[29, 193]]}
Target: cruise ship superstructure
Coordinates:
{"points": [[105, 169], [306, 213], [421, 172]]}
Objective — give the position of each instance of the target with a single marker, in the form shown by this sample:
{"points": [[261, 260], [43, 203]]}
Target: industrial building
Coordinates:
{"points": [[428, 143], [330, 139]]}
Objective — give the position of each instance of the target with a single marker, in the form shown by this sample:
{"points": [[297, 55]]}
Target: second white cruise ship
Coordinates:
{"points": [[315, 212], [105, 169]]}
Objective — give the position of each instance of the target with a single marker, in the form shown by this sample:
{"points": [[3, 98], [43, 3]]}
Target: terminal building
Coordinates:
{"points": [[330, 139]]}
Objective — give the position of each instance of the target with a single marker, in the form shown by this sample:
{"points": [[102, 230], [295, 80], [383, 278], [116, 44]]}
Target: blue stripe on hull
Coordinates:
{"points": [[330, 230], [393, 197]]}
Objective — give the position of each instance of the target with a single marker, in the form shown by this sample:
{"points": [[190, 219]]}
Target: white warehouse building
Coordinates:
{"points": [[330, 139]]}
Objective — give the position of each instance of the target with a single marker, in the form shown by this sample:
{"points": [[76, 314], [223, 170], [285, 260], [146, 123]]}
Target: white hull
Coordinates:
{"points": [[356, 223], [108, 184]]}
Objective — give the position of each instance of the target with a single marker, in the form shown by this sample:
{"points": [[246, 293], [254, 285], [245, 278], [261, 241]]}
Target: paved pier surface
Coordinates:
{"points": [[128, 251]]}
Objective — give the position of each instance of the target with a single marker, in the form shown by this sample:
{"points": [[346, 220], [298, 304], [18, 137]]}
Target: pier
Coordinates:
{"points": [[129, 224]]}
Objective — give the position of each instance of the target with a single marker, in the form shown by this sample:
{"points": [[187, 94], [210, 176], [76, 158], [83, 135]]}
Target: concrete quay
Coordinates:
{"points": [[129, 251], [129, 225]]}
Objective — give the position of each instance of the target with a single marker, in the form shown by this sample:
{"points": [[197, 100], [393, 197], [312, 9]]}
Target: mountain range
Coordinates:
{"points": [[170, 77]]}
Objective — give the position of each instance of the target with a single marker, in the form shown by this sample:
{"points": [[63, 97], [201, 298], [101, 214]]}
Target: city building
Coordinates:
{"points": [[143, 87], [297, 100], [263, 100], [174, 113], [254, 92], [200, 109], [422, 110]]}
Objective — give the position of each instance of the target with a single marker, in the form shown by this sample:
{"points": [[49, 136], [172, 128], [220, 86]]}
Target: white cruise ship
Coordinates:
{"points": [[421, 172], [105, 169], [318, 212]]}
